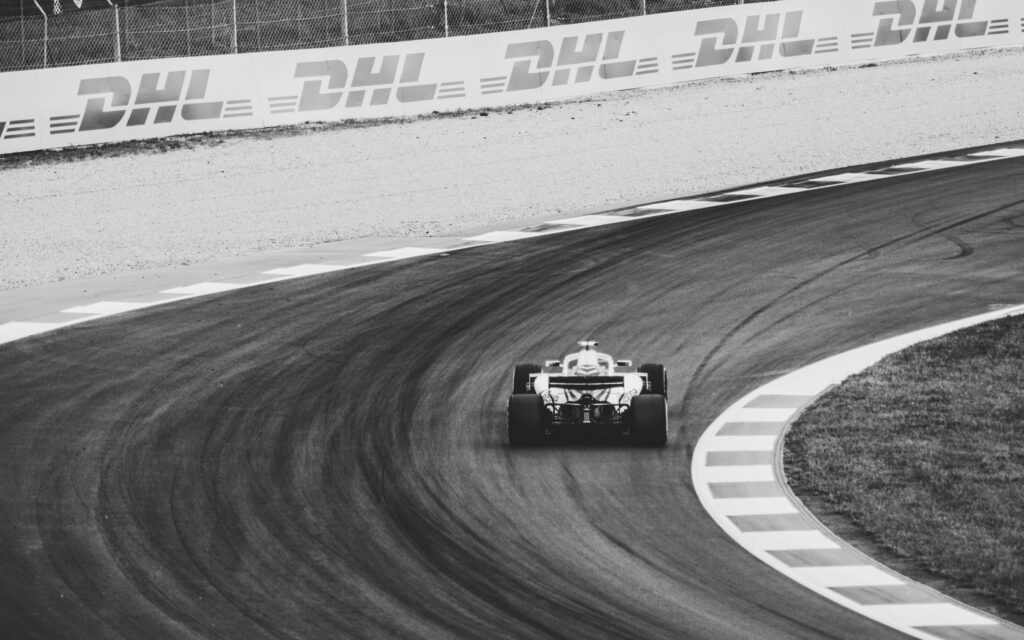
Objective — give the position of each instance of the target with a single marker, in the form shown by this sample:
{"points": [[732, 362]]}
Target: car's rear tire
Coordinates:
{"points": [[649, 415], [658, 378], [526, 419], [521, 377]]}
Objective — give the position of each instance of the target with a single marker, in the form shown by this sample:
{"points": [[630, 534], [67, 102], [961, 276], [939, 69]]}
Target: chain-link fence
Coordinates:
{"points": [[137, 29]]}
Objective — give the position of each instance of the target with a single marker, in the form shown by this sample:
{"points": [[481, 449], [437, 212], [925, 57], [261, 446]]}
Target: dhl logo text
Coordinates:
{"points": [[373, 76], [162, 93], [536, 62], [935, 19], [760, 37]]}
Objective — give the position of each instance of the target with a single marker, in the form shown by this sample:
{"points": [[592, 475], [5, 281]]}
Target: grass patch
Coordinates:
{"points": [[924, 452]]}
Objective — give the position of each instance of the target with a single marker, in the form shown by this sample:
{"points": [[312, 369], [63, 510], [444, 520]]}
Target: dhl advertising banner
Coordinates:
{"points": [[154, 98]]}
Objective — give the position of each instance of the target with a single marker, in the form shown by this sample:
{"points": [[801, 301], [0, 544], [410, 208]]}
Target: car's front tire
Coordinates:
{"points": [[649, 415], [526, 419]]}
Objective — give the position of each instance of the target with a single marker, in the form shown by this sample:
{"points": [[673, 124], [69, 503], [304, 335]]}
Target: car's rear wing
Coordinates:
{"points": [[586, 383]]}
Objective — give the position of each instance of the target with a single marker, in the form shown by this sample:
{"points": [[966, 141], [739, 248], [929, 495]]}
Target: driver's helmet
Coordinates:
{"points": [[588, 369], [588, 364]]}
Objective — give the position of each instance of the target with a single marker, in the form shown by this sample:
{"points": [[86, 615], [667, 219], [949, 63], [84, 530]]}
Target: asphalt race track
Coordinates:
{"points": [[326, 457]]}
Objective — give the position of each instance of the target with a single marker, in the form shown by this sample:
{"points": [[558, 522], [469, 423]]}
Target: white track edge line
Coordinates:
{"points": [[694, 203]]}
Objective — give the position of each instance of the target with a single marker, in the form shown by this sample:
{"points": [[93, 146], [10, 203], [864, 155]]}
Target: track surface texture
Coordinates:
{"points": [[326, 457]]}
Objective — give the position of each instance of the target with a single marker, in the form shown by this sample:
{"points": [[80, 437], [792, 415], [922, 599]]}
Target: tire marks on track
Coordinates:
{"points": [[323, 456]]}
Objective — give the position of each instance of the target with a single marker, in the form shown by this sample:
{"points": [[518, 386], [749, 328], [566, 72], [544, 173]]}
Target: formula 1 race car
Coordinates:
{"points": [[591, 392]]}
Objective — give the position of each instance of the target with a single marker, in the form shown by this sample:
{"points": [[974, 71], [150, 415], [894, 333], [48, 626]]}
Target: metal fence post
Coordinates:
{"points": [[21, 9], [188, 31], [344, 19], [234, 26], [46, 34], [446, 18], [547, 13], [117, 31]]}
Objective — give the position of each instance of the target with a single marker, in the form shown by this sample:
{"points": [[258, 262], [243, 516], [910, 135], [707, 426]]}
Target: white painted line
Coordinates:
{"points": [[370, 263], [757, 414], [203, 288], [681, 205], [257, 283], [811, 380], [595, 220], [857, 576], [504, 236], [755, 506], [740, 473], [939, 614], [108, 308], [665, 207], [406, 252], [1001, 153], [930, 165], [767, 192], [845, 178], [742, 443], [305, 270], [11, 331], [786, 540]]}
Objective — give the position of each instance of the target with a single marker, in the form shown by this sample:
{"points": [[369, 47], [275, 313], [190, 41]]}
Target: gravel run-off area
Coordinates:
{"points": [[67, 216]]}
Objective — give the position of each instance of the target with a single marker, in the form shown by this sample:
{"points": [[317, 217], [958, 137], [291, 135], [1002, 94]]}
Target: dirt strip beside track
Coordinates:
{"points": [[241, 195]]}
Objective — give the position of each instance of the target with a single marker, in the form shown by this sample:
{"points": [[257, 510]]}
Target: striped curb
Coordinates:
{"points": [[23, 328], [738, 476]]}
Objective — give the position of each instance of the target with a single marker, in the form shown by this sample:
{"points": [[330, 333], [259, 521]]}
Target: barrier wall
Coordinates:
{"points": [[154, 98]]}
